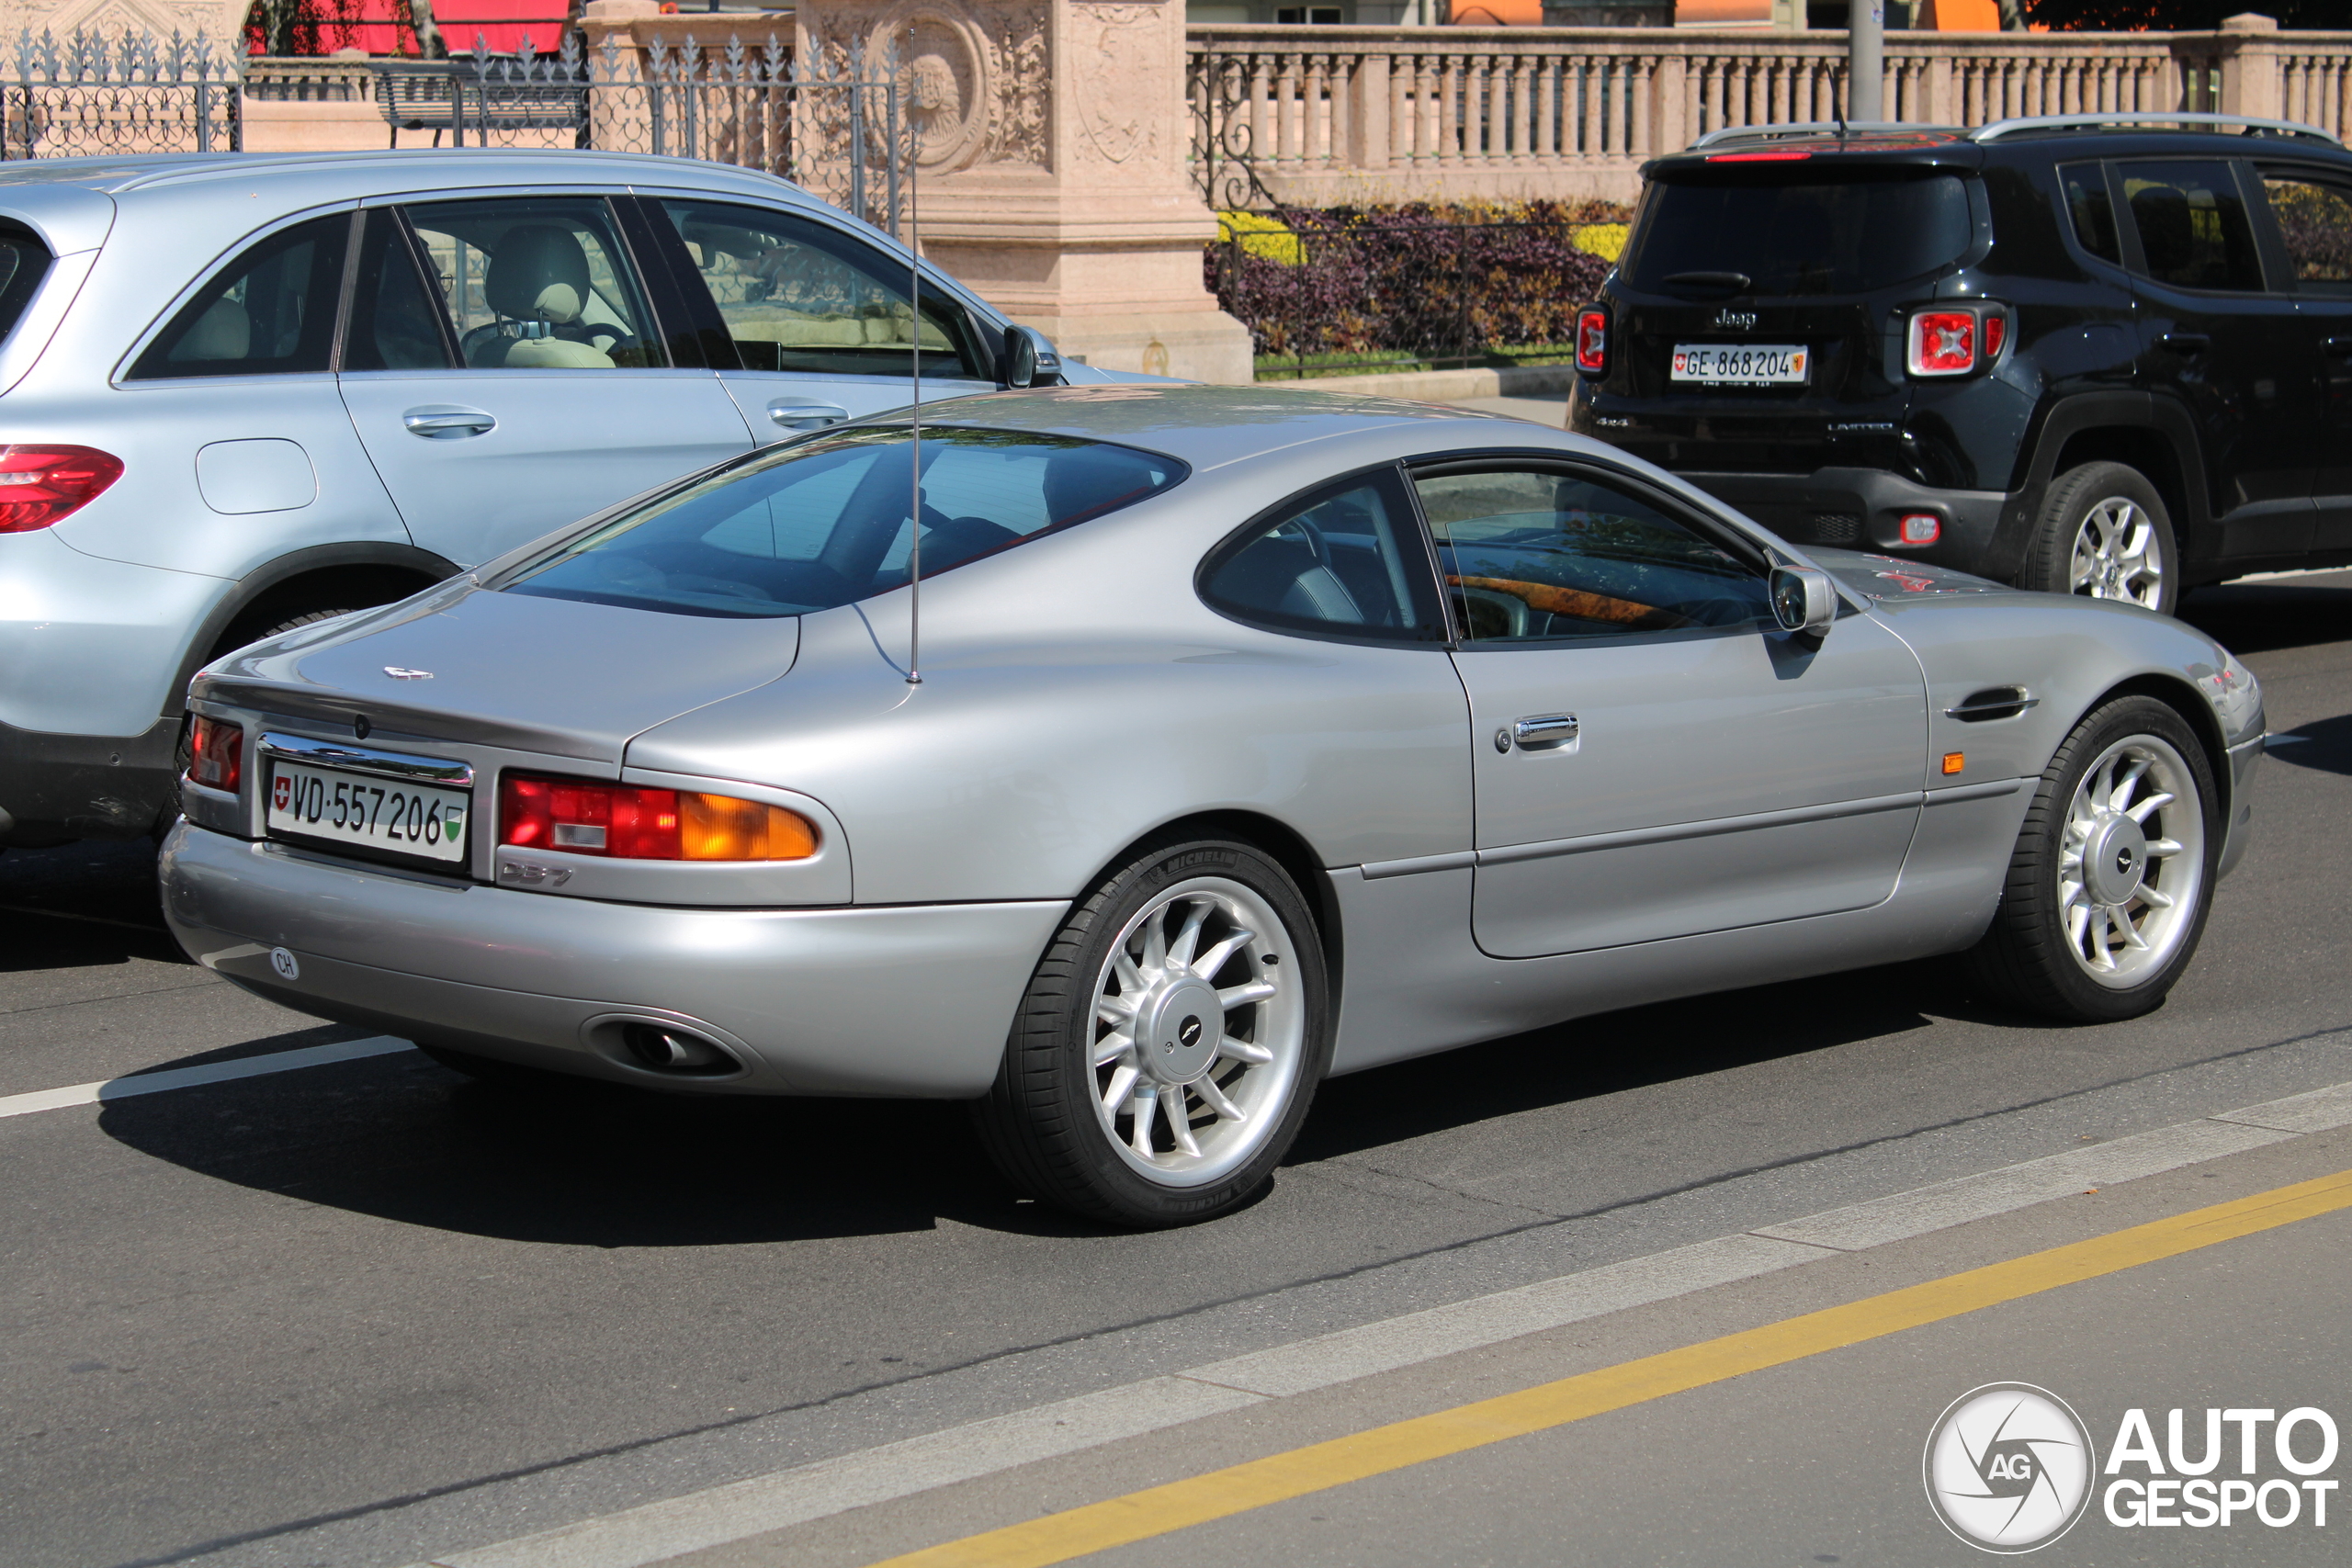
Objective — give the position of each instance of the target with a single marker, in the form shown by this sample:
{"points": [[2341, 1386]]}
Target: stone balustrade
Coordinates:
{"points": [[1326, 116]]}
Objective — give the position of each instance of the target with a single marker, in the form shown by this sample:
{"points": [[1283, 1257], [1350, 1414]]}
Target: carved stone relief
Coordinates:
{"points": [[221, 21], [975, 75], [1113, 66]]}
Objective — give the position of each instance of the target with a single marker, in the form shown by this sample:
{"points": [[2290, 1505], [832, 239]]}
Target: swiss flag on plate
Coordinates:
{"points": [[282, 790], [1679, 360]]}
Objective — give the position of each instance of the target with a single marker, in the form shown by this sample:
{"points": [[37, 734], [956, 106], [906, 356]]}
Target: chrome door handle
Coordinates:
{"points": [[1543, 732], [795, 415], [443, 423]]}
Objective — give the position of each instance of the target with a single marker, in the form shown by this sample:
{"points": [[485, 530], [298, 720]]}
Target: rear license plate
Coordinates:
{"points": [[1741, 365], [397, 815]]}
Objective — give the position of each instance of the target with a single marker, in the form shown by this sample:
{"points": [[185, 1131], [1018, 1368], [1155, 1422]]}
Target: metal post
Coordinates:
{"points": [[857, 149], [891, 131], [1865, 59]]}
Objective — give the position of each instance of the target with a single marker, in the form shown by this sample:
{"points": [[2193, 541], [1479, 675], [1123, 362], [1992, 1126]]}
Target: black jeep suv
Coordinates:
{"points": [[2072, 354]]}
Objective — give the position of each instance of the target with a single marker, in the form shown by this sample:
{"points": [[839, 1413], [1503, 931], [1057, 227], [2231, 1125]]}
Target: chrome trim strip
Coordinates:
{"points": [[1984, 791], [1373, 871], [1511, 853], [1967, 711], [365, 760]]}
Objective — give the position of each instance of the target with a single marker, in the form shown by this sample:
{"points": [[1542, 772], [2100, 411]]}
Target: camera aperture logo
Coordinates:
{"points": [[2009, 1467]]}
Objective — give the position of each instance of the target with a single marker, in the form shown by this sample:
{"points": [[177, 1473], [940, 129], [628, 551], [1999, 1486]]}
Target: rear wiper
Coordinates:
{"points": [[1730, 282]]}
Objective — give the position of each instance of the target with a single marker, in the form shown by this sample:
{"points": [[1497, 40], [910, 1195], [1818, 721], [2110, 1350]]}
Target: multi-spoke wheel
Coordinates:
{"points": [[1183, 1003], [2105, 534], [2108, 886]]}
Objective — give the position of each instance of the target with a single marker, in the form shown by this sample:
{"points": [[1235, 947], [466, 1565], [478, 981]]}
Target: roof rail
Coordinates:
{"points": [[1811, 128], [2001, 128]]}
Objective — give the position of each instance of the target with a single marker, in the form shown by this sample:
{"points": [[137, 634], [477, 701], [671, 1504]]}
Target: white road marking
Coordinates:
{"points": [[2298, 572], [189, 1078], [655, 1532]]}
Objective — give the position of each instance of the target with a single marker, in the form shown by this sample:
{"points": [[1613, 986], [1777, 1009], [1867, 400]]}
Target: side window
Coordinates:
{"points": [[395, 323], [538, 283], [2315, 220], [797, 296], [2093, 214], [271, 312], [1346, 561], [1538, 555], [2192, 225]]}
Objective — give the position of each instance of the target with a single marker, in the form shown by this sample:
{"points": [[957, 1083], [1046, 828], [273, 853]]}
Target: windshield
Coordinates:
{"points": [[826, 522], [1793, 238]]}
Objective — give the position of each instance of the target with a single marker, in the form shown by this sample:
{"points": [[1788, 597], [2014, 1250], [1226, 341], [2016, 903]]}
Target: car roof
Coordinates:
{"points": [[1769, 150], [1210, 427], [367, 173]]}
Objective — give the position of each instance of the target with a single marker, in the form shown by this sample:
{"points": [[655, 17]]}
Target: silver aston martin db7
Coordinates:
{"points": [[1240, 736]]}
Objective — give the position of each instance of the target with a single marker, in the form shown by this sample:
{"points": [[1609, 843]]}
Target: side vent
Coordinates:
{"points": [[1992, 702]]}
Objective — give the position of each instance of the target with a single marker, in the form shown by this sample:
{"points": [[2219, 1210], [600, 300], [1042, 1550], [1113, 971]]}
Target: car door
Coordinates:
{"points": [[2313, 211], [508, 373], [1653, 756], [235, 389], [2215, 338], [815, 317]]}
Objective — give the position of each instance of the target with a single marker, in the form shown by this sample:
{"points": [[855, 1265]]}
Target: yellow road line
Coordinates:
{"points": [[1236, 1489]]}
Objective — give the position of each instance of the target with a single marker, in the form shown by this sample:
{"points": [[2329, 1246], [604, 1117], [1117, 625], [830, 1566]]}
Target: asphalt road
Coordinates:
{"points": [[365, 1312]]}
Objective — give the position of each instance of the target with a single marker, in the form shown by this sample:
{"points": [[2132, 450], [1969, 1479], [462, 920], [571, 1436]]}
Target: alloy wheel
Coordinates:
{"points": [[2118, 554], [1199, 1030], [2132, 863]]}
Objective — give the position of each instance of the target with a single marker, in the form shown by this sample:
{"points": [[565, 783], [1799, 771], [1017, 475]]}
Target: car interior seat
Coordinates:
{"points": [[223, 331], [2167, 236], [538, 282]]}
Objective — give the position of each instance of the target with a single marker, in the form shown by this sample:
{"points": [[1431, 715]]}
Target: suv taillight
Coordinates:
{"points": [[39, 485], [1954, 342], [1592, 341], [216, 754], [584, 817]]}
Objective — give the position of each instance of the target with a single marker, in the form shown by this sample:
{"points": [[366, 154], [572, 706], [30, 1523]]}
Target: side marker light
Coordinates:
{"points": [[1954, 761]]}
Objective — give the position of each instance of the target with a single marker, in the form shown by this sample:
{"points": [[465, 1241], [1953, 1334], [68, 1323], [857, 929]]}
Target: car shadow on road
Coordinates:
{"points": [[82, 905], [2264, 616], [2323, 744]]}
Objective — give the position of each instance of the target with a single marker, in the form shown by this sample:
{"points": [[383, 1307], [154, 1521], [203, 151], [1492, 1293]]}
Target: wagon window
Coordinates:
{"points": [[829, 521], [271, 312], [1540, 555]]}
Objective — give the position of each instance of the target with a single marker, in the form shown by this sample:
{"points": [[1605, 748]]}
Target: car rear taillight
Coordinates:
{"points": [[1785, 155], [1997, 331], [1943, 343], [1593, 341], [626, 822], [1920, 527], [39, 485], [216, 754]]}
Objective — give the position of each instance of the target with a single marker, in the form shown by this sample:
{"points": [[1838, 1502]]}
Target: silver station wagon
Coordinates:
{"points": [[242, 393], [1258, 735]]}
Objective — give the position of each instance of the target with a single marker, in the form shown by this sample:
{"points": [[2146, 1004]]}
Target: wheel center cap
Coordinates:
{"points": [[1177, 1030], [2115, 860]]}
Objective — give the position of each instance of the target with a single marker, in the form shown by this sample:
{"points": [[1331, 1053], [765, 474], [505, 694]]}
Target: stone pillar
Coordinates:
{"points": [[1051, 168], [2250, 84]]}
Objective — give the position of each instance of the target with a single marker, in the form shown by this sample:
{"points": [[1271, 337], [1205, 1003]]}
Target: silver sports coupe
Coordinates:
{"points": [[1124, 759]]}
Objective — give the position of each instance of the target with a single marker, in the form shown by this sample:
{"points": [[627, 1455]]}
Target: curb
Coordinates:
{"points": [[1439, 386]]}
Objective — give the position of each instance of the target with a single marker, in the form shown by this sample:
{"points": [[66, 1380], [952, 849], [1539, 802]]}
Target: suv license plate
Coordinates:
{"points": [[375, 813], [1741, 365]]}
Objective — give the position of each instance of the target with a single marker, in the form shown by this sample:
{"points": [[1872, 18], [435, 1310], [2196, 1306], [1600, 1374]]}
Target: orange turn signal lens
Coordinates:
{"points": [[1955, 760], [719, 827]]}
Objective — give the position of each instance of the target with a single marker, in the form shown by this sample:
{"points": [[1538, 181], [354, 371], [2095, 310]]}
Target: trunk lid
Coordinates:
{"points": [[555, 676]]}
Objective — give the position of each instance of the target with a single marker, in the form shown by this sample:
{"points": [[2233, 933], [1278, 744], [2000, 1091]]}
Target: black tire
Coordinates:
{"points": [[275, 621], [2066, 517], [2030, 958], [1044, 1121]]}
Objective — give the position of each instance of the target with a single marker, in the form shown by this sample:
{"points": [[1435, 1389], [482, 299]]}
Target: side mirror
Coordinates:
{"points": [[1804, 601], [1030, 359]]}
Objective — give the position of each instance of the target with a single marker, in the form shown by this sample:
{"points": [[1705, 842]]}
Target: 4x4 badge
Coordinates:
{"points": [[1737, 321]]}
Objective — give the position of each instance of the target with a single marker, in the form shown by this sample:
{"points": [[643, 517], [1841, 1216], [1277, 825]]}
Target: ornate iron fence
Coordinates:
{"points": [[90, 94], [836, 127]]}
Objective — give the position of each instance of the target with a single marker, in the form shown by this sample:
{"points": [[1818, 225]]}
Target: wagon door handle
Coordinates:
{"points": [[2339, 348], [446, 423], [2185, 343], [796, 416], [1543, 732]]}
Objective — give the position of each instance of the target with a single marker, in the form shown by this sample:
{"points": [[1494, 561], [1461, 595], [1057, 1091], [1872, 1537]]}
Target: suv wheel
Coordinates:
{"points": [[2105, 533]]}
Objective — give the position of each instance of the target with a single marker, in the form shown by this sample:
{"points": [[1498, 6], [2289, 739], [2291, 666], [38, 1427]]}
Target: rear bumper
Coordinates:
{"points": [[1861, 509], [914, 999], [55, 788]]}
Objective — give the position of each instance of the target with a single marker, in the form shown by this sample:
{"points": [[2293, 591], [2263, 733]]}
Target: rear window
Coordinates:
{"points": [[23, 261], [1796, 237], [827, 522]]}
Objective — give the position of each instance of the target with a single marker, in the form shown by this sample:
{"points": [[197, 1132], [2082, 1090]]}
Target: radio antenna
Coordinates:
{"points": [[914, 465]]}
